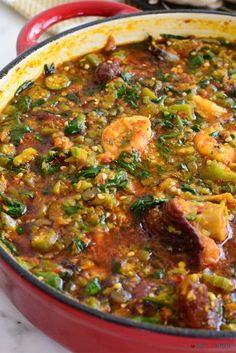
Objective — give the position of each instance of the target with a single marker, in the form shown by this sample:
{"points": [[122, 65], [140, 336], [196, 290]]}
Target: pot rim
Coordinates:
{"points": [[63, 298]]}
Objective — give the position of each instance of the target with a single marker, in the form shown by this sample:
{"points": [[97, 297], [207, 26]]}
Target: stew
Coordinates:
{"points": [[118, 180]]}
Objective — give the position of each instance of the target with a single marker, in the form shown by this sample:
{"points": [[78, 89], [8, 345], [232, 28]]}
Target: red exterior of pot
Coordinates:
{"points": [[40, 23], [84, 333]]}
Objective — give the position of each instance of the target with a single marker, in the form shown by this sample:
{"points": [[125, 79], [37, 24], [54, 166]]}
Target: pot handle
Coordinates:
{"points": [[33, 29]]}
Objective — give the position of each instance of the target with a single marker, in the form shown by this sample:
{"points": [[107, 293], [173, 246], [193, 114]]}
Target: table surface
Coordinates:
{"points": [[17, 333]]}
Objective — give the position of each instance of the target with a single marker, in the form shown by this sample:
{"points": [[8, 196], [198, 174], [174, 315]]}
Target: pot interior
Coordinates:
{"points": [[92, 37]]}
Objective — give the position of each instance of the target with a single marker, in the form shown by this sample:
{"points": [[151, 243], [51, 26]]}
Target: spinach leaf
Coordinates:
{"points": [[13, 208], [144, 203]]}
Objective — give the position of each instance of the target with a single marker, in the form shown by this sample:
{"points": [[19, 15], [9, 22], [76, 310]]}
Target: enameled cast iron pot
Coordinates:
{"points": [[74, 325]]}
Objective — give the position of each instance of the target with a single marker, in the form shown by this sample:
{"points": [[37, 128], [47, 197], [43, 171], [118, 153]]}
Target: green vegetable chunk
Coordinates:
{"points": [[93, 287], [44, 240], [214, 170], [226, 284], [9, 245], [51, 278], [56, 82]]}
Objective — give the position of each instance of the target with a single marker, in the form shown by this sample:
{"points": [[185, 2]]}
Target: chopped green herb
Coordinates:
{"points": [[18, 132], [144, 203], [23, 87], [204, 83], [159, 274], [196, 128], [130, 95], [38, 103], [49, 164], [13, 208], [39, 138], [73, 98], [70, 210], [75, 126], [215, 134], [49, 69], [120, 181], [115, 266], [183, 167], [90, 173], [80, 245], [173, 36], [29, 194], [188, 188], [131, 163], [23, 103], [195, 60]]}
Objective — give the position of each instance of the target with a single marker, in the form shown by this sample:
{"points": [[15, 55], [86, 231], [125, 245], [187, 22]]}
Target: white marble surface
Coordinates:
{"points": [[17, 334]]}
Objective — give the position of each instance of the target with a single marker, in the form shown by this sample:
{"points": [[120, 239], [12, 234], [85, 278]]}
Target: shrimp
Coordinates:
{"points": [[208, 146], [126, 134], [210, 110], [210, 253]]}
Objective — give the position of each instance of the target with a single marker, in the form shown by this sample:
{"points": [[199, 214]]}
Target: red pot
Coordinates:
{"points": [[74, 325]]}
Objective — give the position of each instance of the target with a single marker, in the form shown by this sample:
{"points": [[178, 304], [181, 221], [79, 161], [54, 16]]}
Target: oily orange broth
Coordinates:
{"points": [[118, 251]]}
